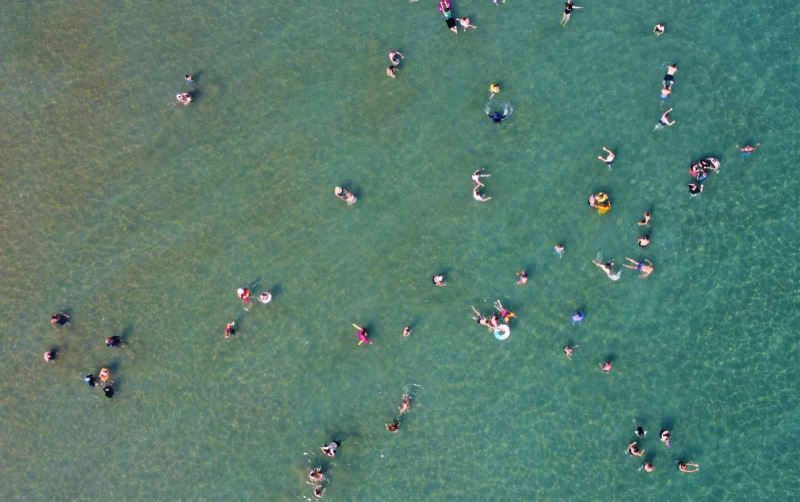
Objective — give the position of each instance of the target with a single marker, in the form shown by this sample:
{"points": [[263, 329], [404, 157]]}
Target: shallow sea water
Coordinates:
{"points": [[141, 218]]}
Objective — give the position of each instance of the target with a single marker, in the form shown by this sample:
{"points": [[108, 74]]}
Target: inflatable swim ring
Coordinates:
{"points": [[502, 332]]}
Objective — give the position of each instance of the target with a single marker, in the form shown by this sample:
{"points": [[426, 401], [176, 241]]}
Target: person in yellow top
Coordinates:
{"points": [[494, 88], [600, 202]]}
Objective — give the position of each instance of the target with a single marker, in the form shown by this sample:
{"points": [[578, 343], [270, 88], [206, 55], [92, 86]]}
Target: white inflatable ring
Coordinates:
{"points": [[502, 332]]}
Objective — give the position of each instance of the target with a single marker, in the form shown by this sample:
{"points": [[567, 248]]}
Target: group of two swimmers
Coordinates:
{"points": [[465, 22]]}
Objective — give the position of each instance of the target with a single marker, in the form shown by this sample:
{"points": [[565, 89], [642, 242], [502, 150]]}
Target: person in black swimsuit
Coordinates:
{"points": [[568, 7]]}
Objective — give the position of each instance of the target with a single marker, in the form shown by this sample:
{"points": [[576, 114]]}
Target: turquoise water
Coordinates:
{"points": [[142, 218]]}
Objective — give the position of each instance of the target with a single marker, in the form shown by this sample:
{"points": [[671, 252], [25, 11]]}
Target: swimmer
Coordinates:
{"points": [[633, 449], [438, 280], [568, 351], [600, 202], [578, 317], [391, 71], [523, 278], [329, 450], [477, 317], [363, 335], [59, 319], [659, 29], [747, 150], [695, 189], [477, 175], [712, 163], [665, 120], [319, 491], [494, 88], [444, 8], [645, 268], [49, 356], [608, 268], [265, 297], [497, 2], [244, 295], [230, 329], [665, 92], [89, 380], [643, 241], [559, 250], [184, 98], [113, 341], [646, 216], [189, 78], [669, 78], [639, 431], [108, 390], [607, 367], [316, 474], [405, 404], [494, 321], [477, 195], [407, 331], [698, 172], [345, 195], [507, 315], [104, 375], [687, 467], [609, 158], [664, 437], [568, 7], [466, 23], [647, 467], [394, 426], [395, 57]]}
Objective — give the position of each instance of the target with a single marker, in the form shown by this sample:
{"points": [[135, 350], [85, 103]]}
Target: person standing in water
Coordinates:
{"points": [[407, 331], [659, 29], [648, 467], [558, 249], [113, 341], [646, 216], [329, 450], [438, 280], [394, 426], [363, 336], [569, 350], [523, 278], [391, 71], [643, 241], [230, 329], [59, 319], [49, 356], [568, 8], [607, 366], [395, 57]]}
